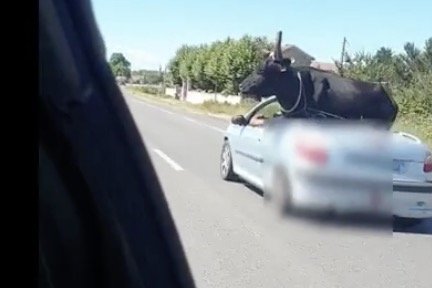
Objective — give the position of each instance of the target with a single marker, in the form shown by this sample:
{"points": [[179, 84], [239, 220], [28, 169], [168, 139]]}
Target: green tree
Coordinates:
{"points": [[199, 63], [408, 74], [427, 55], [174, 71], [174, 64], [384, 56], [120, 65], [186, 61], [219, 66], [240, 59], [212, 69], [151, 77]]}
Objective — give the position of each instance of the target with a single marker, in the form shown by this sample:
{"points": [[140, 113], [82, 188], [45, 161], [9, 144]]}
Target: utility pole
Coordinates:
{"points": [[160, 80], [164, 80], [342, 59]]}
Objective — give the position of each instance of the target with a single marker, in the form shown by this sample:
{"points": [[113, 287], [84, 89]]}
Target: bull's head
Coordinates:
{"points": [[273, 77]]}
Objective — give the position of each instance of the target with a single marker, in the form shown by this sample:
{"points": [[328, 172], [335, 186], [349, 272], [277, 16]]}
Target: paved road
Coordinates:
{"points": [[232, 240]]}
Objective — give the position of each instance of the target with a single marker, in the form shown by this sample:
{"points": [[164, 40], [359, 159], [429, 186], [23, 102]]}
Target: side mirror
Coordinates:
{"points": [[239, 120]]}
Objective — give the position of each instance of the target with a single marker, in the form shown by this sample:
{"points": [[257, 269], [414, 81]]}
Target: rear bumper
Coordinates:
{"points": [[412, 199], [408, 200], [342, 199]]}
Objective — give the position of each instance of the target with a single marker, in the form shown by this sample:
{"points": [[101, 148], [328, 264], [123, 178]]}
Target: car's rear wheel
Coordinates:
{"points": [[226, 163], [279, 192], [406, 222]]}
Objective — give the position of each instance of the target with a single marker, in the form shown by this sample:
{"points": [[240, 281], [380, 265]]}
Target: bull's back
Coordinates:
{"points": [[346, 87], [352, 97]]}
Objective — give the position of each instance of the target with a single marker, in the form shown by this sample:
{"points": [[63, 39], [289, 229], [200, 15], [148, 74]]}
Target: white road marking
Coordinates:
{"points": [[167, 159], [212, 127], [190, 119], [204, 124], [154, 107]]}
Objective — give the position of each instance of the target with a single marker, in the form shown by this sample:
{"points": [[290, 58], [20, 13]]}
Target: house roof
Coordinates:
{"points": [[290, 47], [325, 66]]}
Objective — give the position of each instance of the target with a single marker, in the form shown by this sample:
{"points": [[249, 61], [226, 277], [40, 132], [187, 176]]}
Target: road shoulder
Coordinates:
{"points": [[172, 103]]}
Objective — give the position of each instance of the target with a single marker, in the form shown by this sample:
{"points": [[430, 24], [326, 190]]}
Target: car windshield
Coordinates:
{"points": [[283, 211]]}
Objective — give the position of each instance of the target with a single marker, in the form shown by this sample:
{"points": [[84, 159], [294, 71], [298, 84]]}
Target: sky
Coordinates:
{"points": [[148, 32]]}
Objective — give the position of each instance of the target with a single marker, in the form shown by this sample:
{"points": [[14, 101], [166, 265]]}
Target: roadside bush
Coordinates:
{"points": [[150, 90], [226, 108]]}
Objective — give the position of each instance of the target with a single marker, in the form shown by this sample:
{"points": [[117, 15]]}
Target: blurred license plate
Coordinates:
{"points": [[375, 199], [398, 166]]}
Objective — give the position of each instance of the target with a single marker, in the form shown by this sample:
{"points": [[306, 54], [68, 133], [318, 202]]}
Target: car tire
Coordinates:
{"points": [[279, 194], [406, 222], [226, 163]]}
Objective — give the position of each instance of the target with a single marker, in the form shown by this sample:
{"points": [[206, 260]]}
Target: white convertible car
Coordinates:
{"points": [[339, 169]]}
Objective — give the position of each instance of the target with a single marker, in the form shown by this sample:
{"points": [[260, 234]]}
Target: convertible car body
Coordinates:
{"points": [[317, 164]]}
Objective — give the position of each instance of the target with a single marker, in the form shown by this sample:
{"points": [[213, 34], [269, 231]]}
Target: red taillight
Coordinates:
{"points": [[312, 152], [427, 167]]}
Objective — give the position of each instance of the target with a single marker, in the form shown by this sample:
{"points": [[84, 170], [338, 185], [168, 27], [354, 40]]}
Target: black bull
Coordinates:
{"points": [[305, 89], [324, 91]]}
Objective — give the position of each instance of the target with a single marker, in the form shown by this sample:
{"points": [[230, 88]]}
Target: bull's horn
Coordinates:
{"points": [[278, 46]]}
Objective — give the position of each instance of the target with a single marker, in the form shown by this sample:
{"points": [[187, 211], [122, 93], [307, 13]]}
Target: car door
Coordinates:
{"points": [[264, 146], [251, 148], [247, 151]]}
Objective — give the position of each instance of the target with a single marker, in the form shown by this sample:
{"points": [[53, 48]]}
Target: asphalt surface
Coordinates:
{"points": [[232, 239]]}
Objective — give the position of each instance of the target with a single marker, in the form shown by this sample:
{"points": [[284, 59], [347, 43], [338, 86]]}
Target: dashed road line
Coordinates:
{"points": [[154, 107], [213, 128], [190, 119], [168, 160], [204, 124]]}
